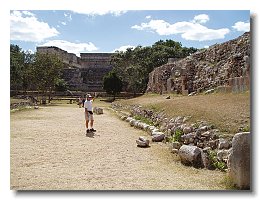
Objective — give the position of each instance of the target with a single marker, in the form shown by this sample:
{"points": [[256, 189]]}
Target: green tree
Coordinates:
{"points": [[16, 66], [27, 79], [46, 71], [134, 65], [61, 85], [20, 68], [112, 84]]}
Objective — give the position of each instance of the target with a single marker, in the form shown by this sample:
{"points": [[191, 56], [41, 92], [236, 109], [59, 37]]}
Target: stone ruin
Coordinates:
{"points": [[85, 72], [199, 144], [224, 67]]}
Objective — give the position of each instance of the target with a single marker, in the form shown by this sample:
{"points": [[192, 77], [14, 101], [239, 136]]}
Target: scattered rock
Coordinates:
{"points": [[223, 144], [98, 110], [158, 137], [191, 155], [142, 142]]}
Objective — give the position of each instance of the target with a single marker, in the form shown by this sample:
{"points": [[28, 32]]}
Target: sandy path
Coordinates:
{"points": [[50, 151]]}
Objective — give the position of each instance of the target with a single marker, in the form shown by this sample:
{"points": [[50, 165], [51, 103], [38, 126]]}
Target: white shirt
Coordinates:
{"points": [[88, 105]]}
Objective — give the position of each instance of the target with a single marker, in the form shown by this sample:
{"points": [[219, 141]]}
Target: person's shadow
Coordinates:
{"points": [[91, 134]]}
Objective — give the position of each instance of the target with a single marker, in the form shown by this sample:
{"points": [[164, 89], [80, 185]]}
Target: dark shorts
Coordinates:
{"points": [[89, 115]]}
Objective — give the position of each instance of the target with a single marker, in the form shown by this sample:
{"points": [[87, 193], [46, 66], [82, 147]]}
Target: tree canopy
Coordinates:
{"points": [[37, 71], [134, 65], [112, 83]]}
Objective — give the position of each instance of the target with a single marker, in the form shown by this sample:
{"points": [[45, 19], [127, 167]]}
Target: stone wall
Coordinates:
{"points": [[85, 72], [95, 67], [69, 59], [221, 65]]}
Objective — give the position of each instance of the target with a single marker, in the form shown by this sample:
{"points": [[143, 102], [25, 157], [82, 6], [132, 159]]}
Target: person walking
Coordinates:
{"points": [[80, 102], [89, 113]]}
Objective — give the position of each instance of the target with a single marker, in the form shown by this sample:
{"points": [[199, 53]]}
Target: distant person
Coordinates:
{"points": [[80, 102], [83, 102], [89, 113]]}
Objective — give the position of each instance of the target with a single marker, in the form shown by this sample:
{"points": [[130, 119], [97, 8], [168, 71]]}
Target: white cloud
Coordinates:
{"points": [[123, 48], [71, 47], [68, 16], [205, 35], [148, 17], [159, 26], [242, 26], [64, 23], [83, 10], [24, 26], [189, 30], [201, 19]]}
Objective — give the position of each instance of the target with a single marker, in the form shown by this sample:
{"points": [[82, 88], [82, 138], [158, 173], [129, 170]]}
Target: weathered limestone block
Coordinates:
{"points": [[158, 137], [191, 155], [98, 110], [132, 122], [128, 119], [150, 129], [223, 144], [205, 160], [239, 160], [142, 142], [136, 123]]}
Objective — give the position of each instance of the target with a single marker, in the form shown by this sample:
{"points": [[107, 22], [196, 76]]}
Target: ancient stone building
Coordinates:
{"points": [[223, 66], [94, 67], [85, 72]]}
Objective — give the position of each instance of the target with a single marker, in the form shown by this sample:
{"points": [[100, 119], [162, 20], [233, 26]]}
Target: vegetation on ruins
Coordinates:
{"points": [[134, 65], [37, 71]]}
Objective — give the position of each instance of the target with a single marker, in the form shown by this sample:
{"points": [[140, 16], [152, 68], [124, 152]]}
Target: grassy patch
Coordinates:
{"points": [[144, 120]]}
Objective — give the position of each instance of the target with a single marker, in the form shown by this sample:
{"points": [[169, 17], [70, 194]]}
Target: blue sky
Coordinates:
{"points": [[106, 31]]}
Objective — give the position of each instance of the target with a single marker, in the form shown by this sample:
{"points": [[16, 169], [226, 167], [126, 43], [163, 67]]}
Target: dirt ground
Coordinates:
{"points": [[50, 151]]}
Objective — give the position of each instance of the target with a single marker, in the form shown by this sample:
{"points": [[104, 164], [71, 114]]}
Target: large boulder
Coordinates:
{"points": [[191, 155], [239, 160]]}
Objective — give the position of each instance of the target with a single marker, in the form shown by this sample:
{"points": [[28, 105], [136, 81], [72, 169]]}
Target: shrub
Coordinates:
{"points": [[215, 162], [177, 135]]}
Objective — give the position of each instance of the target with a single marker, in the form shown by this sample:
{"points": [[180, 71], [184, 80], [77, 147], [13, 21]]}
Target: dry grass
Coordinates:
{"points": [[227, 112]]}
